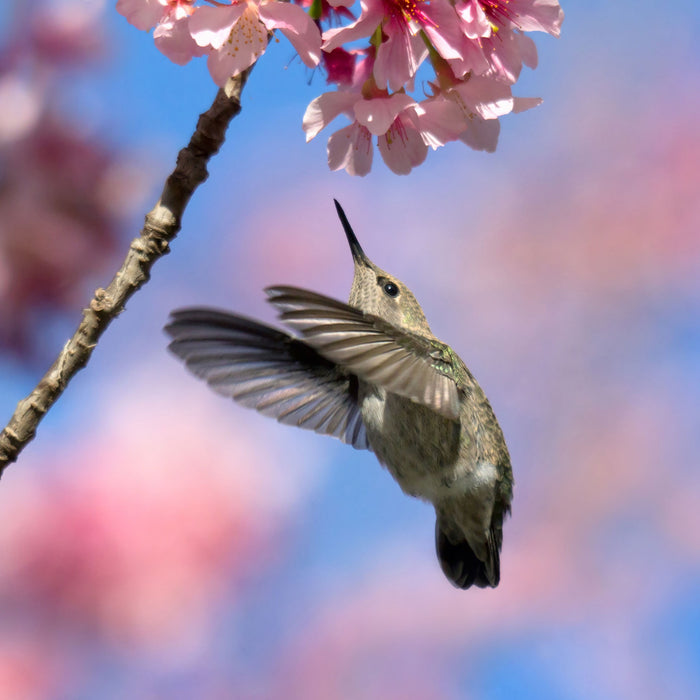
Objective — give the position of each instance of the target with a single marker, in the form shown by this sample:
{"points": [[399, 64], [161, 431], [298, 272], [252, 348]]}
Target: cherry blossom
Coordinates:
{"points": [[453, 115], [237, 34], [173, 39], [403, 47], [351, 149], [146, 14], [170, 19], [402, 145], [495, 29], [391, 118], [233, 36]]}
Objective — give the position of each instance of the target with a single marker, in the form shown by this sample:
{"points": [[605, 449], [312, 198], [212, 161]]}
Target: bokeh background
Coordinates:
{"points": [[159, 541]]}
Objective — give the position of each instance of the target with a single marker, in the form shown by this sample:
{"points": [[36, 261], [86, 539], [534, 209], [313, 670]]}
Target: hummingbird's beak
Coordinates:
{"points": [[358, 255]]}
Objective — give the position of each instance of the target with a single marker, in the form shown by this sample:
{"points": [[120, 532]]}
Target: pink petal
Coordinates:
{"points": [[475, 23], [247, 42], [520, 104], [325, 108], [297, 26], [444, 29], [143, 14], [481, 134], [527, 50], [504, 52], [211, 26], [473, 59], [440, 120], [486, 97], [173, 39], [378, 114], [351, 148], [402, 147], [539, 15], [220, 66], [398, 57], [368, 21]]}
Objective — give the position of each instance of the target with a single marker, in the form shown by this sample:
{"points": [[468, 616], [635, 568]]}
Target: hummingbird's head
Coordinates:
{"points": [[379, 293]]}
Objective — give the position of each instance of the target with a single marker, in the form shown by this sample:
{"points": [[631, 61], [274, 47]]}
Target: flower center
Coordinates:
{"points": [[498, 12], [409, 10]]}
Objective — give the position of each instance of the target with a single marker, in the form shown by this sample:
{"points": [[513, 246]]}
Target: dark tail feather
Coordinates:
{"points": [[461, 565]]}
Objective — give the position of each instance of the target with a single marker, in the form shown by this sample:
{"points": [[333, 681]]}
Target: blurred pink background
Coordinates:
{"points": [[159, 541]]}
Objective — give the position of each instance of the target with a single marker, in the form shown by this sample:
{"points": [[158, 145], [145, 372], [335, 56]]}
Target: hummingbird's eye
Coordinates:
{"points": [[391, 289]]}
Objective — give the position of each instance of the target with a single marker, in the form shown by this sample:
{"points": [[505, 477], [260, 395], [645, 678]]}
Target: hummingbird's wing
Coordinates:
{"points": [[268, 370], [419, 368]]}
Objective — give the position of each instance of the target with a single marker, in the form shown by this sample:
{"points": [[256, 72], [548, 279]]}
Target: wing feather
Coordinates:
{"points": [[268, 370]]}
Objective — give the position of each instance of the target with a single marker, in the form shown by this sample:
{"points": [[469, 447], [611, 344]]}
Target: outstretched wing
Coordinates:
{"points": [[270, 371], [421, 369]]}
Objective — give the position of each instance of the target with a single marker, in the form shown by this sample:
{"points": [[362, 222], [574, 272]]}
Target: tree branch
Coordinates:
{"points": [[161, 226]]}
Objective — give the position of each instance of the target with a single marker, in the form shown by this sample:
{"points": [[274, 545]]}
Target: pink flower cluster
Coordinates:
{"points": [[474, 48], [232, 35]]}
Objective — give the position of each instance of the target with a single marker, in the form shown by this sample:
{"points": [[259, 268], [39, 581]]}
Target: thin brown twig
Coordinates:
{"points": [[161, 226]]}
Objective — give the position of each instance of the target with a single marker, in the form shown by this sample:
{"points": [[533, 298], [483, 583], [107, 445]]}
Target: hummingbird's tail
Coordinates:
{"points": [[461, 565]]}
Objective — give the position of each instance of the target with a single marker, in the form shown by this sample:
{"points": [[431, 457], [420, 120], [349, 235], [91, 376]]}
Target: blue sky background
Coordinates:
{"points": [[162, 542]]}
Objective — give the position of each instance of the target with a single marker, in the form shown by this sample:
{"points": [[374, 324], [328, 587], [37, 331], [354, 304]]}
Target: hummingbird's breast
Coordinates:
{"points": [[423, 451]]}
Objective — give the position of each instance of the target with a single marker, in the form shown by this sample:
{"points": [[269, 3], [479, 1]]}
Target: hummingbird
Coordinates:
{"points": [[371, 373]]}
